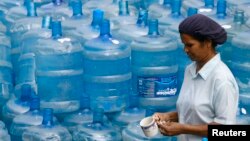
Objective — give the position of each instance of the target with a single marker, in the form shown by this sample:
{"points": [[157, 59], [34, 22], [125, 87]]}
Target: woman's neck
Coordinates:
{"points": [[201, 63]]}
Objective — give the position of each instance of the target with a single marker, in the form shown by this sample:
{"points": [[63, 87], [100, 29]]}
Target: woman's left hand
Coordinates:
{"points": [[170, 128]]}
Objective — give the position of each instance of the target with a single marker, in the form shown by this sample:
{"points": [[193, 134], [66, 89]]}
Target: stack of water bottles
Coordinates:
{"points": [[91, 69]]}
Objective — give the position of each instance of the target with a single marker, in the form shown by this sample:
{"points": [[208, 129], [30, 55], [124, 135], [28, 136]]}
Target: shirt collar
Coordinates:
{"points": [[206, 69]]}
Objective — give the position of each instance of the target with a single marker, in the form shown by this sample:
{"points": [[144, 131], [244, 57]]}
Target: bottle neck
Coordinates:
{"points": [[153, 28], [31, 9], [77, 8], [123, 8], [105, 29], [56, 29], [209, 3], [176, 7], [48, 117], [97, 18], [142, 18], [239, 17], [192, 11], [221, 8], [46, 22]]}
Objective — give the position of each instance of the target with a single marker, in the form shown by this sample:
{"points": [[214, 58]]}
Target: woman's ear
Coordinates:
{"points": [[208, 43]]}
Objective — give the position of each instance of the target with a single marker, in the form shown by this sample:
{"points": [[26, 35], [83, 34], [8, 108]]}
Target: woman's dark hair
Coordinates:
{"points": [[203, 28]]}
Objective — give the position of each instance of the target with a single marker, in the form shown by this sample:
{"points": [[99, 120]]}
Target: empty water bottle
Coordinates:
{"points": [[47, 131], [155, 68], [6, 85], [90, 30], [241, 67], [31, 21], [175, 17], [130, 114], [24, 121], [97, 130], [57, 9], [4, 135], [124, 17], [83, 115], [77, 19], [17, 106], [238, 25], [130, 32], [107, 71], [59, 70]]}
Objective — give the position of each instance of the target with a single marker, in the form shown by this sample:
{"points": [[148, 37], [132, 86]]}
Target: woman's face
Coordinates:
{"points": [[196, 50]]}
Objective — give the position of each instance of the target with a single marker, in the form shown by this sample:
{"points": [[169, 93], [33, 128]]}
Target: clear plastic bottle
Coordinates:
{"points": [[59, 70], [175, 17], [80, 117], [124, 17], [241, 66], [130, 32], [58, 9], [97, 130], [107, 70], [6, 80], [24, 121], [17, 106], [78, 19], [4, 135], [154, 69], [48, 131], [130, 114], [238, 25], [31, 21], [90, 30]]}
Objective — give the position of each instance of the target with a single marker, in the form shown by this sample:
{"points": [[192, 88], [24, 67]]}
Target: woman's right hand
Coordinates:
{"points": [[161, 117], [169, 116]]}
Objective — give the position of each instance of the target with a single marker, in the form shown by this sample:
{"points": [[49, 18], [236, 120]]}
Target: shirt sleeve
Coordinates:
{"points": [[226, 103]]}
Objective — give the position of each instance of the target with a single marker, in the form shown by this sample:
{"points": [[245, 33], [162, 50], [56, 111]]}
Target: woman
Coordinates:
{"points": [[209, 93]]}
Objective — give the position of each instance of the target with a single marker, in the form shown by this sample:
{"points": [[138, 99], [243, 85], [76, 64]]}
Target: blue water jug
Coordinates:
{"points": [[130, 32], [4, 135], [90, 30], [155, 68], [19, 12], [208, 8], [57, 9], [107, 71], [130, 114], [97, 130], [83, 115], [3, 29], [221, 15], [158, 10], [17, 106], [78, 19], [5, 5], [6, 82], [240, 66], [48, 130], [238, 25], [134, 132], [59, 70], [198, 4], [31, 21], [24, 121], [175, 17], [124, 17]]}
